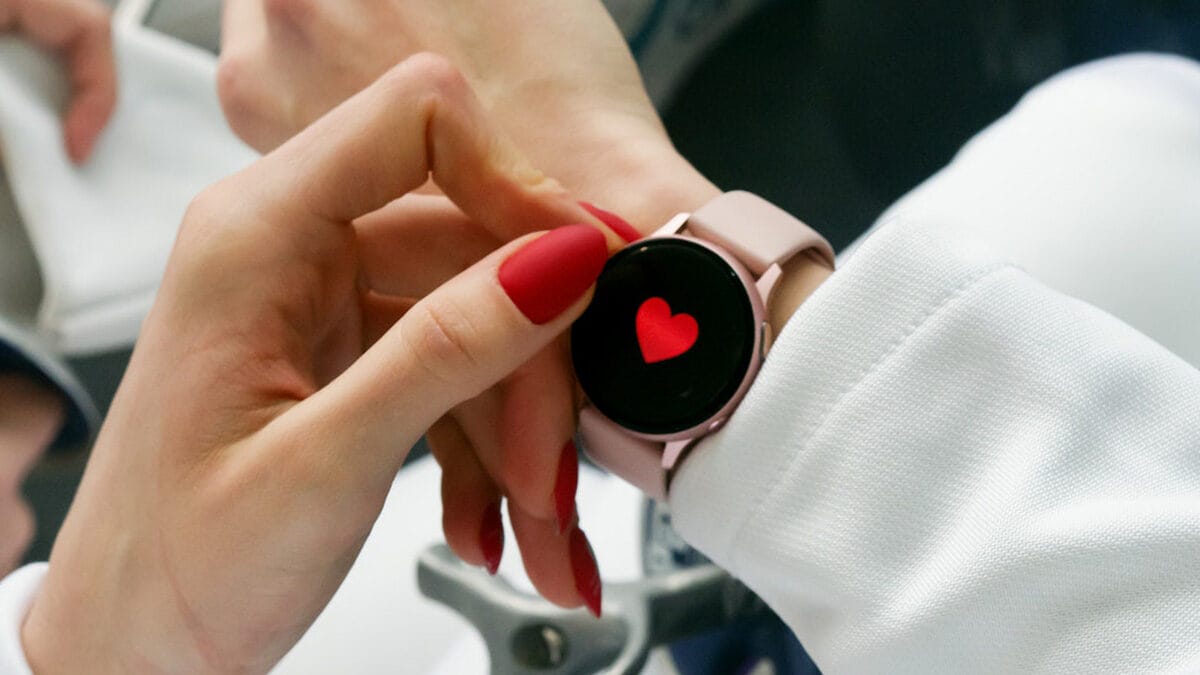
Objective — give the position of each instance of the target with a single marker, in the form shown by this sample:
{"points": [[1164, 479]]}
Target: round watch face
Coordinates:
{"points": [[667, 339]]}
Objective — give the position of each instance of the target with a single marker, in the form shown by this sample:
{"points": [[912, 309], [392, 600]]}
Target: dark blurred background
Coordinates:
{"points": [[832, 109]]}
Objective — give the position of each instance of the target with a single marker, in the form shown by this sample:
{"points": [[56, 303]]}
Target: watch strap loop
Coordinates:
{"points": [[756, 231]]}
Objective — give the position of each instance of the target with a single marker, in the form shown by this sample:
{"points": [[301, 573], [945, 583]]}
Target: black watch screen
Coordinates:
{"points": [[667, 339]]}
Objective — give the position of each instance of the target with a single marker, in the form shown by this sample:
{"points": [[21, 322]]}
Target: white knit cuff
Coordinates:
{"points": [[16, 595], [892, 283]]}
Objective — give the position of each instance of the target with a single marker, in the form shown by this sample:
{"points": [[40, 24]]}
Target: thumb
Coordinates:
{"points": [[452, 345]]}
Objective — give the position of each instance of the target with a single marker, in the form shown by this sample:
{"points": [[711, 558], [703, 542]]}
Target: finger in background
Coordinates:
{"points": [[522, 431], [471, 502], [564, 570], [538, 462], [82, 33]]}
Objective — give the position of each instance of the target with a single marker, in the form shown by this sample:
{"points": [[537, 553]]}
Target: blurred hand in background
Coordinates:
{"points": [[30, 416], [79, 31]]}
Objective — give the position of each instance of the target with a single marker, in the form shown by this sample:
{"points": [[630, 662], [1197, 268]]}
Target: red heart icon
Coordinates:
{"points": [[662, 336]]}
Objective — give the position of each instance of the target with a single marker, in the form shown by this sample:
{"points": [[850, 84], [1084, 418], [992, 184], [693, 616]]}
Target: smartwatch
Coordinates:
{"points": [[677, 331]]}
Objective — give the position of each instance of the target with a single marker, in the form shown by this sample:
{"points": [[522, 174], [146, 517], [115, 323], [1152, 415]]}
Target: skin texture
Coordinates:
{"points": [[557, 76], [561, 83], [277, 386], [30, 416], [79, 31]]}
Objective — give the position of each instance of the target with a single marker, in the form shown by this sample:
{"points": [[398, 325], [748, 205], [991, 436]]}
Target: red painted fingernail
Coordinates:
{"points": [[614, 222], [491, 537], [587, 573], [564, 486], [550, 273]]}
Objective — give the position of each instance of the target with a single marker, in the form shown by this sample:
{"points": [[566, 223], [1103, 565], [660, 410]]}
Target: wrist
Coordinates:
{"points": [[626, 164], [89, 619], [649, 183], [55, 642], [802, 275]]}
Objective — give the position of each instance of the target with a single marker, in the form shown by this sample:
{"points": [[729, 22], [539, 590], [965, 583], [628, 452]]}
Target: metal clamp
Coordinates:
{"points": [[526, 634]]}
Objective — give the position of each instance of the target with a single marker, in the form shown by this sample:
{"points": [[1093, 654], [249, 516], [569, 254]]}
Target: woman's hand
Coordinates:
{"points": [[30, 416], [79, 29], [280, 380], [556, 75], [561, 83]]}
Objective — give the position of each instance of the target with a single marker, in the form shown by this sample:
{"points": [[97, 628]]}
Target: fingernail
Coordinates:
{"points": [[587, 574], [550, 273], [614, 222], [564, 486], [491, 537]]}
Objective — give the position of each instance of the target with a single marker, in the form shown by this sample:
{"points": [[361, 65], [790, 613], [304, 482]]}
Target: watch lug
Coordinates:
{"points": [[766, 283], [673, 226], [672, 450]]}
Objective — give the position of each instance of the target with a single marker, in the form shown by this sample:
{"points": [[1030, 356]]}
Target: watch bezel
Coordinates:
{"points": [[758, 313]]}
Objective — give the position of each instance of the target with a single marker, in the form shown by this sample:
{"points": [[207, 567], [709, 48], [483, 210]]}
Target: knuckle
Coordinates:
{"points": [[430, 72], [234, 88], [202, 221], [288, 12], [256, 112], [206, 207], [442, 342], [247, 106]]}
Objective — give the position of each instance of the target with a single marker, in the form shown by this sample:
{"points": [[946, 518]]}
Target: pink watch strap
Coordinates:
{"points": [[755, 231], [637, 460]]}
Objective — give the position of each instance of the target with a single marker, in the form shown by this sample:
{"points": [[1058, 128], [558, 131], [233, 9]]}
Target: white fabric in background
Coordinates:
{"points": [[102, 232], [1092, 185], [16, 595], [20, 297], [965, 472]]}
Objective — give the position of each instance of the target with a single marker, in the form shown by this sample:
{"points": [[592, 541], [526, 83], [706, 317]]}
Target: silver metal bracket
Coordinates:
{"points": [[526, 634]]}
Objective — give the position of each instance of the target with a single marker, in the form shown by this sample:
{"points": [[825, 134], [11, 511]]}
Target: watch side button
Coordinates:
{"points": [[766, 338]]}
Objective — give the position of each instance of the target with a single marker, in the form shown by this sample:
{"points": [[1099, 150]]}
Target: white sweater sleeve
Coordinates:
{"points": [[16, 594], [947, 467]]}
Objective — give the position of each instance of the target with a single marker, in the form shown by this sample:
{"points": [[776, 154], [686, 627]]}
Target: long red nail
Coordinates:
{"points": [[564, 486], [551, 272], [614, 222], [491, 537], [587, 573]]}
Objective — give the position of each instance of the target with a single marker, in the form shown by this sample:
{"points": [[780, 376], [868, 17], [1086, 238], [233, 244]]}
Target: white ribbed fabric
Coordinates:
{"points": [[1092, 184], [16, 594], [947, 467]]}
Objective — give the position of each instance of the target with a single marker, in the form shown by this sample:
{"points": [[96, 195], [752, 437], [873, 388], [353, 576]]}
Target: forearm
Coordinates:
{"points": [[945, 467]]}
